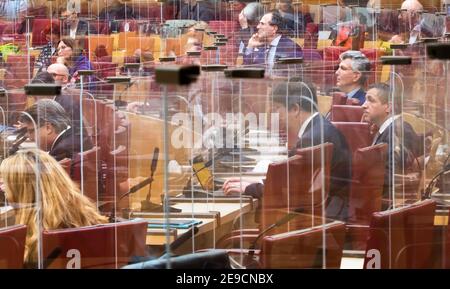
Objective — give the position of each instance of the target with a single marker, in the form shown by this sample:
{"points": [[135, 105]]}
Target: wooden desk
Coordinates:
{"points": [[222, 213]]}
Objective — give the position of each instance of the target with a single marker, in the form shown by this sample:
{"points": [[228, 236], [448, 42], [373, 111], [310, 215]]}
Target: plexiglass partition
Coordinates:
{"points": [[272, 134]]}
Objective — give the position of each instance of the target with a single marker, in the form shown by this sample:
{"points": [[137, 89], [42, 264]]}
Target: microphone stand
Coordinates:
{"points": [[249, 261], [147, 205], [21, 138], [430, 186]]}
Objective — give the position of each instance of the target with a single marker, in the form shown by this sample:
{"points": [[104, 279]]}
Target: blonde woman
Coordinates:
{"points": [[61, 203]]}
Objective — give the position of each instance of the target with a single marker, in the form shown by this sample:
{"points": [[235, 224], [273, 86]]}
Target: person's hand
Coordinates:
{"points": [[18, 125], [243, 20], [235, 186], [134, 106], [61, 60], [397, 39], [254, 41]]}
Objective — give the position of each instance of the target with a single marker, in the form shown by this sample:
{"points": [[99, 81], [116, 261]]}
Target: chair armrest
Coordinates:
{"points": [[221, 241], [235, 241], [357, 236]]}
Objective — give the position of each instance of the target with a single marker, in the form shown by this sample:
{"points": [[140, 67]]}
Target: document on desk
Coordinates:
{"points": [[173, 223]]}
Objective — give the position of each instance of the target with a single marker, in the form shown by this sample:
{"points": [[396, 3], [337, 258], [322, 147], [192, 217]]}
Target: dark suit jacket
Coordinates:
{"points": [[361, 96], [69, 144], [285, 48], [205, 13], [82, 29], [116, 12], [402, 152], [340, 174], [337, 201], [69, 99]]}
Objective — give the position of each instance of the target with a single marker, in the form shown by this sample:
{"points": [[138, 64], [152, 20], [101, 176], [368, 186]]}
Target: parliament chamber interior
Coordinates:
{"points": [[224, 134]]}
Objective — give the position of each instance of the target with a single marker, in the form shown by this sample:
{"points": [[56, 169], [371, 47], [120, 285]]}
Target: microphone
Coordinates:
{"points": [[289, 216], [146, 205], [16, 144], [20, 131], [180, 240], [52, 257]]}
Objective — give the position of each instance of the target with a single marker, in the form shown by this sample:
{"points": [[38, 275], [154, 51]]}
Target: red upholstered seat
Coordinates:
{"points": [[102, 246], [304, 248], [105, 69], [299, 249], [13, 104], [296, 184], [66, 165], [339, 98], [402, 237], [12, 246], [357, 134], [89, 162], [368, 166], [332, 53], [38, 38], [17, 74], [346, 113]]}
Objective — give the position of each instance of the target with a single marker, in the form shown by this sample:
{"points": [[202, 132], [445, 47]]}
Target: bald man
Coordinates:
{"points": [[60, 73], [409, 21]]}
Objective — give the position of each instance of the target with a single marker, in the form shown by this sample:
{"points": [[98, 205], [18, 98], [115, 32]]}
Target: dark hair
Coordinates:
{"points": [[77, 50], [52, 28], [100, 51], [294, 92], [43, 77], [385, 93], [47, 110], [277, 20]]}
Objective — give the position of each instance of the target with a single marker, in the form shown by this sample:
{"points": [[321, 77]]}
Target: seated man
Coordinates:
{"points": [[351, 75], [54, 132], [74, 26], [269, 43], [114, 12], [409, 20], [248, 20], [403, 142], [60, 73], [295, 22], [304, 125], [69, 98], [200, 11]]}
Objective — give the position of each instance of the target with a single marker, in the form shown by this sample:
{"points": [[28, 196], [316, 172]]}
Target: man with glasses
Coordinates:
{"points": [[53, 132], [269, 43], [351, 75], [410, 22]]}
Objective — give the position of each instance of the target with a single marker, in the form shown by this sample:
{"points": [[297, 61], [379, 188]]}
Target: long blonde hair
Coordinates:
{"points": [[61, 202]]}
